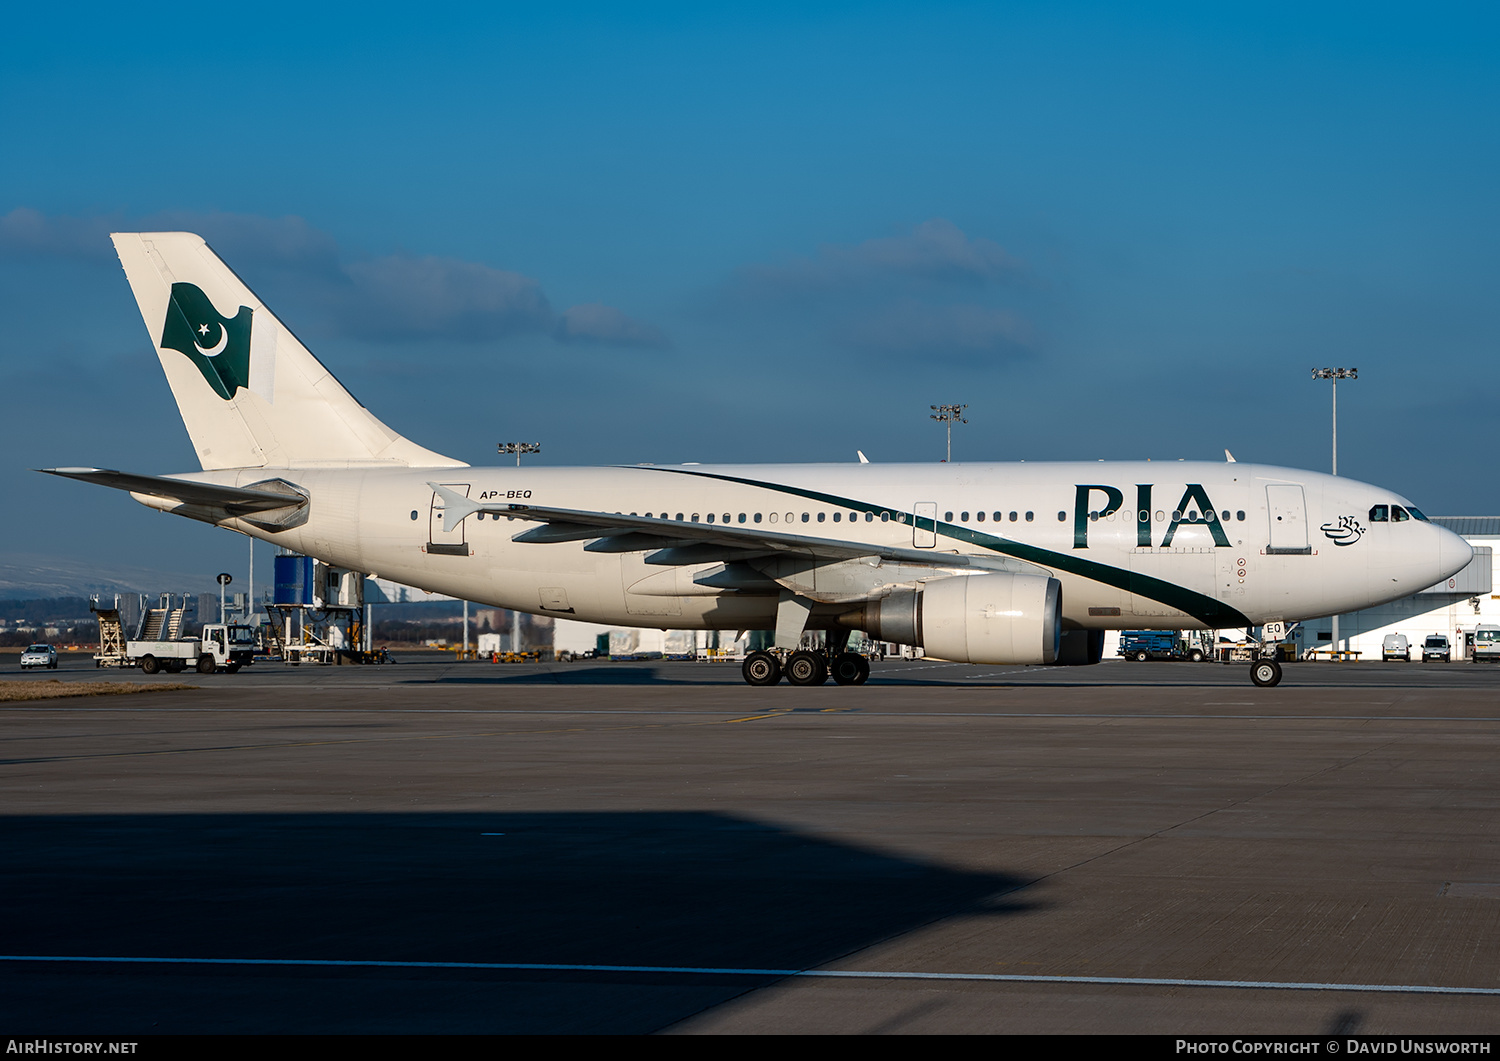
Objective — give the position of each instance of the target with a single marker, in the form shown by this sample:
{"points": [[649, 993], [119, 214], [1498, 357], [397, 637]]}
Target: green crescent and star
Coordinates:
{"points": [[219, 346]]}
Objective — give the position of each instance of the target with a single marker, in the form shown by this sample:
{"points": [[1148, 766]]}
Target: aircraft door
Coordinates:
{"points": [[924, 527], [450, 543], [1287, 511]]}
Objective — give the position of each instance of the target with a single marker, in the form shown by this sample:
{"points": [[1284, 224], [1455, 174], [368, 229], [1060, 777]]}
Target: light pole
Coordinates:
{"points": [[225, 578], [1333, 375], [519, 448], [948, 415]]}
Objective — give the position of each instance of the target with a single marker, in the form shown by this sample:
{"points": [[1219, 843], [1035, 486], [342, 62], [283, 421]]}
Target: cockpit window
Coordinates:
{"points": [[1416, 514], [1380, 514], [1398, 514]]}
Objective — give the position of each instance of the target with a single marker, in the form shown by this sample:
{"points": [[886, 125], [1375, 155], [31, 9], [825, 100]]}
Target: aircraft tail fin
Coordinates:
{"points": [[250, 394]]}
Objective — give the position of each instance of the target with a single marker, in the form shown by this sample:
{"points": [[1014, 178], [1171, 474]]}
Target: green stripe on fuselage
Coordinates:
{"points": [[1200, 606]]}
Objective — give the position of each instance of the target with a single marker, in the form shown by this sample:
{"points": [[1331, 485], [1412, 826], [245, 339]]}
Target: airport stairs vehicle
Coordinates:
{"points": [[111, 638], [161, 624]]}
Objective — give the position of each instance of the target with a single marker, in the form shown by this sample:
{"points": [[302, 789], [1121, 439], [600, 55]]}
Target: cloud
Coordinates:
{"points": [[404, 297], [595, 323], [936, 252], [959, 334], [28, 233], [932, 292], [395, 298]]}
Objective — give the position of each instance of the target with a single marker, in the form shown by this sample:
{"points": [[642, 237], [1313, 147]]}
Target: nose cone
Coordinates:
{"points": [[1454, 553]]}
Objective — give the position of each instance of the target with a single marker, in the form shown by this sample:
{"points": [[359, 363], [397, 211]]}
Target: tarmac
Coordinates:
{"points": [[443, 847]]}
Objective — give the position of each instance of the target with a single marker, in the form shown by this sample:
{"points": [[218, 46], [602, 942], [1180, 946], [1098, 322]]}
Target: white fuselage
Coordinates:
{"points": [[1141, 544]]}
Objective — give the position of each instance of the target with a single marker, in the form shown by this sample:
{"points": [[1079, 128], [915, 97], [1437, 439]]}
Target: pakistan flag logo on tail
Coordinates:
{"points": [[219, 346]]}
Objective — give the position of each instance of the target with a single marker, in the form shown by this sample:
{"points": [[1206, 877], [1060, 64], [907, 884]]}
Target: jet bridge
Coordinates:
{"points": [[318, 613]]}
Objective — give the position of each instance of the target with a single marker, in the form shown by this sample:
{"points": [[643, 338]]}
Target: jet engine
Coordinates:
{"points": [[989, 618]]}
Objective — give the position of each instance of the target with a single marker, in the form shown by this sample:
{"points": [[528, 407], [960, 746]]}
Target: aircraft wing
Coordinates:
{"points": [[677, 542], [236, 500]]}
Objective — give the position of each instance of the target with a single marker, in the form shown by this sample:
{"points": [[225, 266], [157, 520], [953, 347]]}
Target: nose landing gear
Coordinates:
{"points": [[1265, 672]]}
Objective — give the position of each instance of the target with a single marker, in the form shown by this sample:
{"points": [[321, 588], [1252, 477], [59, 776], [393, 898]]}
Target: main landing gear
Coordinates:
{"points": [[806, 668]]}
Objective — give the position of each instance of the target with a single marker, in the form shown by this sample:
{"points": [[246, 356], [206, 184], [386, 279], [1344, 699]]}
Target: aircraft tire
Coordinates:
{"points": [[761, 668], [850, 668], [1265, 672], [806, 668], [150, 665]]}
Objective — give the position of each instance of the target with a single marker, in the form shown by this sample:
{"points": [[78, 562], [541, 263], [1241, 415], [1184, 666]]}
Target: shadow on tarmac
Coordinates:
{"points": [[630, 888]]}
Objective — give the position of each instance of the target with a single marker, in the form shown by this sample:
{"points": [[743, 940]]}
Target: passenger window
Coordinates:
{"points": [[1062, 517], [742, 517], [695, 517], [947, 517], [1012, 517], [679, 517], [1380, 514], [757, 517], [805, 517], [979, 516], [963, 517], [773, 517], [1029, 516], [837, 516], [710, 517], [1240, 515], [885, 517], [821, 517]]}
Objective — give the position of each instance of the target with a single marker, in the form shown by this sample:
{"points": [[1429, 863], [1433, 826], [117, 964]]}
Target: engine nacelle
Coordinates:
{"points": [[990, 618]]}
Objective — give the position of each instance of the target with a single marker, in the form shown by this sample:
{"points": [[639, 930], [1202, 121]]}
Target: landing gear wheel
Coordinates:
{"points": [[1265, 672], [806, 668], [850, 668], [206, 665], [150, 665], [761, 668]]}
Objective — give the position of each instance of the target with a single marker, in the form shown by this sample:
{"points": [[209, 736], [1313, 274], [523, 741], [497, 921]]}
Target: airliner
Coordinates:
{"points": [[987, 563]]}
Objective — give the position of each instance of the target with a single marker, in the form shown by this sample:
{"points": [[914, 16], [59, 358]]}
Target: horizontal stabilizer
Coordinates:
{"points": [[237, 500]]}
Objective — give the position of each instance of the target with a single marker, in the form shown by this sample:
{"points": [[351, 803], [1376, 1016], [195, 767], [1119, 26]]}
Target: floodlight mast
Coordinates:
{"points": [[948, 415], [519, 448], [1334, 375]]}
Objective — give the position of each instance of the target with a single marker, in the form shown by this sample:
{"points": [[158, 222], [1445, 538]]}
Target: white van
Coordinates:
{"points": [[1395, 646]]}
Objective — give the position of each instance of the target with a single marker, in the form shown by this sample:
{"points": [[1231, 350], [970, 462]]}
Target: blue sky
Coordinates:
{"points": [[767, 232]]}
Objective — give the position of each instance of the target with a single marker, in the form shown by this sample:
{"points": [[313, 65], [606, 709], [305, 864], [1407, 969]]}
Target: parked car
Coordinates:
{"points": [[1395, 646], [39, 656], [1436, 647]]}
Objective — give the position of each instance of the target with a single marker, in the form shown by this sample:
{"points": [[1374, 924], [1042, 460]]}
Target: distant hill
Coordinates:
{"points": [[26, 576]]}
